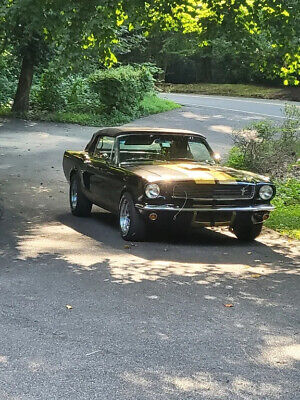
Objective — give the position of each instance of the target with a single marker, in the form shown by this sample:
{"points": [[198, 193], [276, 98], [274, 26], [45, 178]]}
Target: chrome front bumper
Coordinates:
{"points": [[171, 207]]}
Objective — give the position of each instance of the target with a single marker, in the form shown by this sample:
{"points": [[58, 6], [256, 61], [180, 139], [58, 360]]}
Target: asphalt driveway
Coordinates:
{"points": [[145, 322]]}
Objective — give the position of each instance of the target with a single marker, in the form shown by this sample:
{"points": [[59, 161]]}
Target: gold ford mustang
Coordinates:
{"points": [[164, 176]]}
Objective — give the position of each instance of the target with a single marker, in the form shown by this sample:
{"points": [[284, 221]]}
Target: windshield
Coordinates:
{"points": [[149, 148]]}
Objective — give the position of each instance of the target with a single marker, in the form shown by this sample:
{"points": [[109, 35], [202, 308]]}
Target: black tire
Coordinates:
{"points": [[244, 228], [79, 204], [134, 227]]}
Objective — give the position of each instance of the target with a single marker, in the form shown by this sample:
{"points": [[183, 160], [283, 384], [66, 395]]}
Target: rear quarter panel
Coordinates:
{"points": [[72, 161]]}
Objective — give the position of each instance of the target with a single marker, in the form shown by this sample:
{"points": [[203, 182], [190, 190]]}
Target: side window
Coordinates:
{"points": [[104, 147]]}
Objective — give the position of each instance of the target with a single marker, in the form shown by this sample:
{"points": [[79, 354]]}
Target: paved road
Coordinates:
{"points": [[218, 117], [148, 322], [257, 108]]}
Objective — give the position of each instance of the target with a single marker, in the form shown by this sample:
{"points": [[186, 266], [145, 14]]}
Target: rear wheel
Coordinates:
{"points": [[79, 204], [244, 228], [132, 225]]}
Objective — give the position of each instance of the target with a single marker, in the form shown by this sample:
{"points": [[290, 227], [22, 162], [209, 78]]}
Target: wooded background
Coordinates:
{"points": [[222, 41]]}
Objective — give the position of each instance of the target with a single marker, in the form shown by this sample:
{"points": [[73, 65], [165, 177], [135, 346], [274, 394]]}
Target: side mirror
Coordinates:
{"points": [[217, 157], [86, 158], [105, 156]]}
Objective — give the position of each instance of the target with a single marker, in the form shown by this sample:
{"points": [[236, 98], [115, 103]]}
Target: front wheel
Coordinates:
{"points": [[79, 204], [132, 225], [244, 228]]}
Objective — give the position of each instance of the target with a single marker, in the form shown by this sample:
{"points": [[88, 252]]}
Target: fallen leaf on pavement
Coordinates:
{"points": [[228, 305], [69, 307], [127, 246]]}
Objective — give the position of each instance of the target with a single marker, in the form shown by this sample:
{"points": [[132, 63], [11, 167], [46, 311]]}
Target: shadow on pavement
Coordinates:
{"points": [[149, 320], [153, 317]]}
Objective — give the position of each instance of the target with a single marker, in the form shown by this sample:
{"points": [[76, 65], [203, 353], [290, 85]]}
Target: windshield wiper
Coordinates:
{"points": [[137, 159], [210, 162]]}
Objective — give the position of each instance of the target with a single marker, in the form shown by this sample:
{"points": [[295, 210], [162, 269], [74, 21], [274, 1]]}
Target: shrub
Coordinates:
{"points": [[272, 149], [288, 192], [236, 158], [122, 88], [151, 104], [286, 216], [8, 79], [267, 147], [116, 91], [47, 94], [79, 98]]}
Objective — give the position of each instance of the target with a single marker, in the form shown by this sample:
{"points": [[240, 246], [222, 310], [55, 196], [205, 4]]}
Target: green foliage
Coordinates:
{"points": [[240, 90], [8, 79], [267, 147], [223, 40], [154, 70], [286, 220], [122, 88], [288, 193], [151, 104], [55, 92], [272, 149], [48, 94], [229, 41], [286, 217], [78, 96], [116, 90], [236, 158]]}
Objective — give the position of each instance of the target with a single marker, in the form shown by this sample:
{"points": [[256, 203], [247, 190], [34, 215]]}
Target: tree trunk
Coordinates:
{"points": [[21, 100]]}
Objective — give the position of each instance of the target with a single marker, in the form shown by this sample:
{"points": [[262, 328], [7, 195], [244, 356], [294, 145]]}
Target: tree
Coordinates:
{"points": [[34, 27], [268, 29], [25, 27]]}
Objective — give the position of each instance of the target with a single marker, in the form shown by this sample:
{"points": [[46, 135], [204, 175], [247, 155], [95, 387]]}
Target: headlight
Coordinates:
{"points": [[152, 190], [266, 192]]}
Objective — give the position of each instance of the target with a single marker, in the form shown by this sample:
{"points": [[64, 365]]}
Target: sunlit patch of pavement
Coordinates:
{"points": [[202, 384], [64, 242], [147, 321]]}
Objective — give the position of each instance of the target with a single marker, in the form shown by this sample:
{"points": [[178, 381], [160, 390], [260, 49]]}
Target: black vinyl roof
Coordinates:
{"points": [[119, 130], [116, 131]]}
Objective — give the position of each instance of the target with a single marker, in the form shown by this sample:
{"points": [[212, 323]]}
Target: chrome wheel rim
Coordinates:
{"points": [[73, 195], [124, 217]]}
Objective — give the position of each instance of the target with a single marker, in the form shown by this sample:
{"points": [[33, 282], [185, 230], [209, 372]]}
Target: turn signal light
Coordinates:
{"points": [[153, 217]]}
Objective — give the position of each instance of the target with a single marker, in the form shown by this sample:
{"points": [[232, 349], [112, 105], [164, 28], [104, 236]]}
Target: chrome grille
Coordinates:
{"points": [[239, 191]]}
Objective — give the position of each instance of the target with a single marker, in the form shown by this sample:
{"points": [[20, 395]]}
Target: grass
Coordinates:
{"points": [[150, 105], [286, 218], [154, 105], [226, 89], [286, 221]]}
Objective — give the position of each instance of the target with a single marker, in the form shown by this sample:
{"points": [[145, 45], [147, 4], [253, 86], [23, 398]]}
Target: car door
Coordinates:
{"points": [[116, 179], [100, 164]]}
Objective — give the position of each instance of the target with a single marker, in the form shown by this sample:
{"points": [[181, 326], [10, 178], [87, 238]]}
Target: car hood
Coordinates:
{"points": [[197, 172]]}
